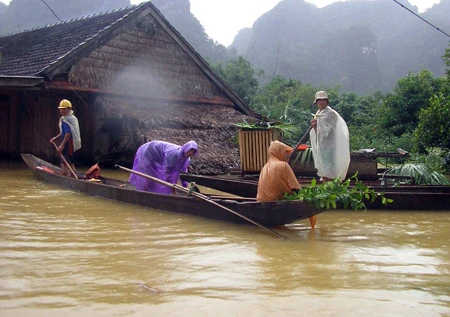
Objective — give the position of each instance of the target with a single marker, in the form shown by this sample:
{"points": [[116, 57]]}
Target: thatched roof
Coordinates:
{"points": [[211, 126]]}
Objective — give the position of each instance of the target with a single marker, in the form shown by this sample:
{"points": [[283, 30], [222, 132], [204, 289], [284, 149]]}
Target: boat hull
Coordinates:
{"points": [[404, 197], [269, 214]]}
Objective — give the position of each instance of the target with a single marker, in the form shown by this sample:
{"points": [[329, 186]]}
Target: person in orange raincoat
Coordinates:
{"points": [[277, 177]]}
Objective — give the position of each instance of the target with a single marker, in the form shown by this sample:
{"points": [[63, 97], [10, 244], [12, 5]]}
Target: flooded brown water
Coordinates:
{"points": [[64, 253]]}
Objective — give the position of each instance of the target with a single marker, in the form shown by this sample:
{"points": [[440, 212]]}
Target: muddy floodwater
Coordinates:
{"points": [[64, 253]]}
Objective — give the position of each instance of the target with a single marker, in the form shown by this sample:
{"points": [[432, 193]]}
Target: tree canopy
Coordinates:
{"points": [[415, 117]]}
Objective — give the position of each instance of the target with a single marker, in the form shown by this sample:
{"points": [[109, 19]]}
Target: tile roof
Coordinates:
{"points": [[30, 52]]}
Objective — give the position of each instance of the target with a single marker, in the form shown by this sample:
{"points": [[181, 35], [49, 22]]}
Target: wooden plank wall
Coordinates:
{"points": [[136, 63], [7, 118], [33, 119], [254, 148]]}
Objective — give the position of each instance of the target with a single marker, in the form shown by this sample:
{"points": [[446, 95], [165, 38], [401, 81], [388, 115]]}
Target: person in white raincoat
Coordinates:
{"points": [[69, 132], [329, 141]]}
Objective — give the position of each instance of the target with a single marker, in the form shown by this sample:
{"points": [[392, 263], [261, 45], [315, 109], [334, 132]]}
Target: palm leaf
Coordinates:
{"points": [[304, 157], [422, 175]]}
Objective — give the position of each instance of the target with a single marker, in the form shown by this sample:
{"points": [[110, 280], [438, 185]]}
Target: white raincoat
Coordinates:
{"points": [[72, 121], [330, 144]]}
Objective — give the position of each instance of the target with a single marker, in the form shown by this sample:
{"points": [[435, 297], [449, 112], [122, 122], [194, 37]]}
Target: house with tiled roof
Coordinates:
{"points": [[131, 78]]}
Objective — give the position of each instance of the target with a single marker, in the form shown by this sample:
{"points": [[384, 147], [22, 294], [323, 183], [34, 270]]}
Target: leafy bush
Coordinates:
{"points": [[434, 159], [338, 193]]}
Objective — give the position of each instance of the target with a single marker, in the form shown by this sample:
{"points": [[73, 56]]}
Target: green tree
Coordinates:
{"points": [[241, 77], [446, 58], [431, 135], [434, 122], [289, 101], [281, 96], [362, 115], [400, 113]]}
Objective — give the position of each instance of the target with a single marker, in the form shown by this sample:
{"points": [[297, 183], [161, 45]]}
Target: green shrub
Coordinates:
{"points": [[338, 193]]}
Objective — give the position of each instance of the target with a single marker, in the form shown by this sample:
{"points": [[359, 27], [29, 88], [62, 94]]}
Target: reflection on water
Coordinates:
{"points": [[66, 253]]}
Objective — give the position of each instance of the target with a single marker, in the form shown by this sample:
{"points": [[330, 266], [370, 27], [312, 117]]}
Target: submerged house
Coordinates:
{"points": [[131, 78]]}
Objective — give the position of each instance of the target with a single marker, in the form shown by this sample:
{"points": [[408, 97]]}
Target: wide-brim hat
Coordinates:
{"points": [[320, 95]]}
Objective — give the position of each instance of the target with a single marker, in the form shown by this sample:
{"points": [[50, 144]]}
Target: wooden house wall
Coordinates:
{"points": [[24, 125], [8, 123], [30, 118], [138, 62], [36, 127]]}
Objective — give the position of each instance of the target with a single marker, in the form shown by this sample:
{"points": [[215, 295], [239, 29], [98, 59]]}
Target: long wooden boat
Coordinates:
{"points": [[408, 197], [269, 214]]}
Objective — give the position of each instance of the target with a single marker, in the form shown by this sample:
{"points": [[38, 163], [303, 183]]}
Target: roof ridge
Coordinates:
{"points": [[84, 17]]}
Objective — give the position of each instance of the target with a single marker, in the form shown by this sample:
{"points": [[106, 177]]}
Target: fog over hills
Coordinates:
{"points": [[362, 46]]}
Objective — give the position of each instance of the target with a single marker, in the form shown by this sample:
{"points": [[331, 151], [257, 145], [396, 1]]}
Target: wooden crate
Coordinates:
{"points": [[254, 148]]}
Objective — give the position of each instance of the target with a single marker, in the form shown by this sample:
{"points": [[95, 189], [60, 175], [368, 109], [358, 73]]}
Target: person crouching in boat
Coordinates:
{"points": [[69, 132], [277, 177], [164, 161]]}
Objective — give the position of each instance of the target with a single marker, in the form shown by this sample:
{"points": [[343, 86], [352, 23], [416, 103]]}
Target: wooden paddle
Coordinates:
{"points": [[199, 195], [65, 161]]}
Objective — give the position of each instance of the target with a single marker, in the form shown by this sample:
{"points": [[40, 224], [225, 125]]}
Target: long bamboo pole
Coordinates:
{"points": [[201, 196], [65, 161]]}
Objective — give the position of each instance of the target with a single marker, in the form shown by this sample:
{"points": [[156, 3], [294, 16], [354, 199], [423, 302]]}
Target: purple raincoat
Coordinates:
{"points": [[162, 160]]}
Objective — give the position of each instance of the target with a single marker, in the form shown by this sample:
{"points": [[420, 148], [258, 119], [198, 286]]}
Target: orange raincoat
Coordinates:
{"points": [[276, 177]]}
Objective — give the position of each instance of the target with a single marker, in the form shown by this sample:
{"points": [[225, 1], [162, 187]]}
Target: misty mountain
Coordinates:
{"points": [[361, 45]]}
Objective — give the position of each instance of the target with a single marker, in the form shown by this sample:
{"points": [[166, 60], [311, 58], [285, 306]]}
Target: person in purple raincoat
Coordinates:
{"points": [[162, 160]]}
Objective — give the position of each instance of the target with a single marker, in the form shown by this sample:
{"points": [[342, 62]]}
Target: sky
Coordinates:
{"points": [[222, 20]]}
